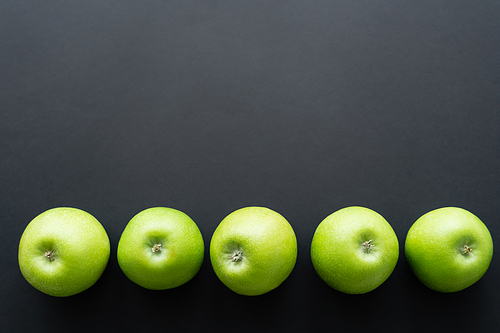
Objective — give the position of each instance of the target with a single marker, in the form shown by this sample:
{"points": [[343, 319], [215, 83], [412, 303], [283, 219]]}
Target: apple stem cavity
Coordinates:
{"points": [[367, 246], [156, 248], [466, 250], [49, 255], [236, 256]]}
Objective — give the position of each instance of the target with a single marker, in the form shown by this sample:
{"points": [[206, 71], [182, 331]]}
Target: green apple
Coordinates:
{"points": [[63, 251], [253, 250], [449, 249], [160, 248], [354, 250]]}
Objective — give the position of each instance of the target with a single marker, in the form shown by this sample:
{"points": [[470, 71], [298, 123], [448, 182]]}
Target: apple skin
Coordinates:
{"points": [[354, 250], [174, 262], [63, 251], [449, 249], [253, 250]]}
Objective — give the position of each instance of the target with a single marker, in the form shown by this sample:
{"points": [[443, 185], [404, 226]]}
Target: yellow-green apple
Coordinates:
{"points": [[253, 250], [449, 249], [354, 250], [160, 248], [63, 251]]}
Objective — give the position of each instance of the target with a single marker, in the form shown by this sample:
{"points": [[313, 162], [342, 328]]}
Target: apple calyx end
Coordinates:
{"points": [[156, 248], [236, 256], [466, 250], [367, 246], [49, 255]]}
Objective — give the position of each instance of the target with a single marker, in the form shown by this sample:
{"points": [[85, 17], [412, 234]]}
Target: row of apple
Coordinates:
{"points": [[64, 251]]}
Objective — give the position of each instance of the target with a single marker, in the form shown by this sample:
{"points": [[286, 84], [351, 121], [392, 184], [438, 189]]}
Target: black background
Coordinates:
{"points": [[304, 107]]}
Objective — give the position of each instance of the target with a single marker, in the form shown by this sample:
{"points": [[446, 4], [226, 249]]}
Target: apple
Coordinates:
{"points": [[63, 251], [354, 250], [449, 249], [253, 250], [160, 248]]}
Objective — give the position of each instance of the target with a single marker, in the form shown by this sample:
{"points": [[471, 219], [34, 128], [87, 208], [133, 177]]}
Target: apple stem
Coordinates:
{"points": [[367, 246], [236, 256], [156, 248], [466, 250], [50, 255]]}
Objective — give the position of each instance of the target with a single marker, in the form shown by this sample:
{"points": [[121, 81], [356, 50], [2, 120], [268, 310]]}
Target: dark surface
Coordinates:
{"points": [[304, 107]]}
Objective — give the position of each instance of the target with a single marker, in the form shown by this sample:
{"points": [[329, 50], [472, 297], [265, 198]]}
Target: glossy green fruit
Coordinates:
{"points": [[63, 251], [160, 248], [449, 249], [253, 250], [354, 250]]}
